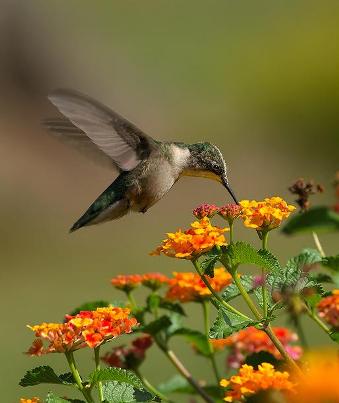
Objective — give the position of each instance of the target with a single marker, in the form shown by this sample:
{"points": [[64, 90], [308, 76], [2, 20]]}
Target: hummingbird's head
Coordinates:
{"points": [[206, 160]]}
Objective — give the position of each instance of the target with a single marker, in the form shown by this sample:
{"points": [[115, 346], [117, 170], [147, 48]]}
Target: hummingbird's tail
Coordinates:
{"points": [[110, 205]]}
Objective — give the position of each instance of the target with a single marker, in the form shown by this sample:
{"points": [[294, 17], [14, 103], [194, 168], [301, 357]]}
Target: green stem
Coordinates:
{"points": [[300, 331], [185, 373], [318, 244], [231, 231], [267, 329], [205, 307], [215, 295], [97, 367], [152, 388], [318, 321], [263, 273], [72, 365], [245, 295], [131, 300]]}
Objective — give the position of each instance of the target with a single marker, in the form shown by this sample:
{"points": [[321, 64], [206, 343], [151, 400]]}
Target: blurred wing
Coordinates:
{"points": [[67, 133], [119, 139]]}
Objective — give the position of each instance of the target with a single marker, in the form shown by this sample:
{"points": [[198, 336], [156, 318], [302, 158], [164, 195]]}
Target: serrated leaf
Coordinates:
{"points": [[90, 306], [228, 323], [208, 261], [293, 275], [44, 374], [115, 392], [67, 378], [244, 253], [198, 339], [319, 218], [120, 375], [52, 398], [232, 291], [331, 262], [321, 278], [157, 325]]}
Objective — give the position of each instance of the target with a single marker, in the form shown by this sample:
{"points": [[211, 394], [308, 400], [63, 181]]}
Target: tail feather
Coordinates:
{"points": [[111, 204]]}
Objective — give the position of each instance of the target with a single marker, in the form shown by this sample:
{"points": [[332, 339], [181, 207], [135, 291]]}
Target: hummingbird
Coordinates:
{"points": [[147, 168]]}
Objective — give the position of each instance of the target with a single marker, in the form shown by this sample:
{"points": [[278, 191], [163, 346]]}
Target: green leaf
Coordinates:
{"points": [[197, 338], [335, 336], [120, 375], [244, 253], [45, 374], [115, 392], [331, 262], [51, 398], [90, 306], [157, 325], [315, 219], [228, 323], [178, 384], [232, 291], [172, 306], [293, 275], [209, 260]]}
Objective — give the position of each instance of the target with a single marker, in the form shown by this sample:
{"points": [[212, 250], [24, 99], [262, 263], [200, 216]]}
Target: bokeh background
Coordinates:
{"points": [[259, 79]]}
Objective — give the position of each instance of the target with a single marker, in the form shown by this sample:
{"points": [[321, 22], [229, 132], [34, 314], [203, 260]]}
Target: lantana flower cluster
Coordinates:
{"points": [[265, 215], [87, 328], [252, 340], [250, 381], [201, 237], [186, 287], [328, 309], [127, 282]]}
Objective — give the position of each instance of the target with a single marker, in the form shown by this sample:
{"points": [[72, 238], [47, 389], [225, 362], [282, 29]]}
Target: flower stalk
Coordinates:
{"points": [[72, 365], [205, 307], [97, 367]]}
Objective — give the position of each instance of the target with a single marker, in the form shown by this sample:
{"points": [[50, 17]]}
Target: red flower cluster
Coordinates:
{"points": [[328, 309], [252, 340], [154, 280], [230, 212], [88, 328], [129, 357], [205, 210]]}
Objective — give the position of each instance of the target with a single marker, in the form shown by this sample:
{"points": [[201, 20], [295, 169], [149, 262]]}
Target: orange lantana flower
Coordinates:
{"points": [[154, 280], [201, 237], [186, 287], [265, 215], [126, 282], [250, 381], [87, 328], [31, 400], [253, 340], [328, 309]]}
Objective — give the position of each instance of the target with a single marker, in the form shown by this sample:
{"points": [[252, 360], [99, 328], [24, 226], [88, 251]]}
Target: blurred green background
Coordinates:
{"points": [[258, 78]]}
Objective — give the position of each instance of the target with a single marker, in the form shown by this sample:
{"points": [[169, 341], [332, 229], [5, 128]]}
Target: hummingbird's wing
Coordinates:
{"points": [[71, 135], [119, 139]]}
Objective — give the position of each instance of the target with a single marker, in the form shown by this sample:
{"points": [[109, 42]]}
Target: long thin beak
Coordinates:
{"points": [[227, 186]]}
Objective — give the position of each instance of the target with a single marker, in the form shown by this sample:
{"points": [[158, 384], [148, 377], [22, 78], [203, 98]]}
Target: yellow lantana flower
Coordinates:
{"points": [[201, 237], [265, 215], [250, 381]]}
